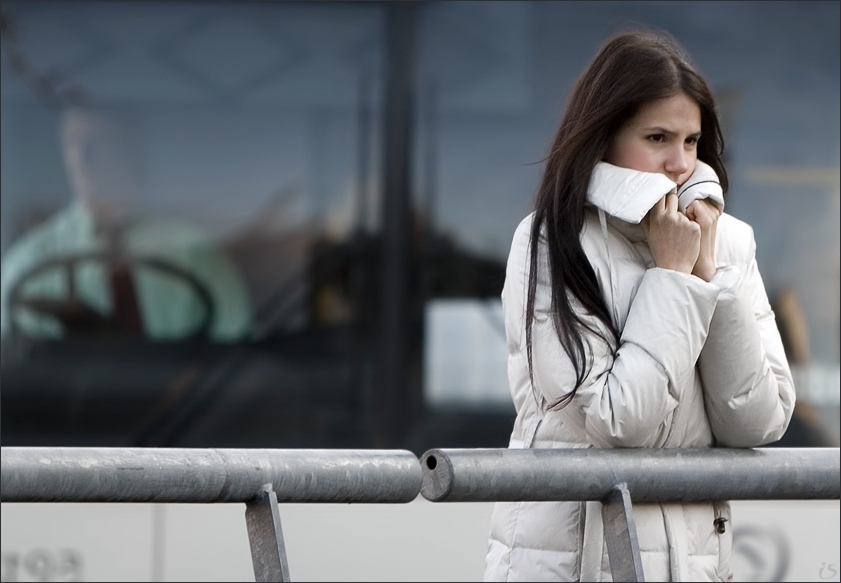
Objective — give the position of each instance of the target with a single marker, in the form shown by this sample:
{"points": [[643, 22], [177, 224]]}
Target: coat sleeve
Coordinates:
{"points": [[748, 389], [631, 390]]}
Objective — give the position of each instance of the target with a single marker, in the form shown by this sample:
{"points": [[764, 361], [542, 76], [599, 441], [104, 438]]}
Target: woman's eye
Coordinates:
{"points": [[692, 141], [658, 138]]}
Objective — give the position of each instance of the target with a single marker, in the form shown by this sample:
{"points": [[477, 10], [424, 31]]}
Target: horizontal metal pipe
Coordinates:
{"points": [[57, 474], [652, 475]]}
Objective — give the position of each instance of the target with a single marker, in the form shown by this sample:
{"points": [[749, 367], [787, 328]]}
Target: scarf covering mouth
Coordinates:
{"points": [[629, 194]]}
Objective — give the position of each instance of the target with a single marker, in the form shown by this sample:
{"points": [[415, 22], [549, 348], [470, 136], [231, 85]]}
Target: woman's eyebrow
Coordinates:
{"points": [[663, 130]]}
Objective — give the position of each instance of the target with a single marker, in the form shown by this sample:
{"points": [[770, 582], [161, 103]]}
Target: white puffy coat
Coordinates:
{"points": [[698, 364]]}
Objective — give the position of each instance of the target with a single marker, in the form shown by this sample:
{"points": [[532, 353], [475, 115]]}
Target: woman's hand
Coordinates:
{"points": [[673, 238], [705, 214]]}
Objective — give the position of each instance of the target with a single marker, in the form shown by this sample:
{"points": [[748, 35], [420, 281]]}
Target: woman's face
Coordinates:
{"points": [[661, 138]]}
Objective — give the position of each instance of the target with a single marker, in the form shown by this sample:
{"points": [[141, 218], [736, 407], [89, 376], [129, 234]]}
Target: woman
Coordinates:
{"points": [[635, 315]]}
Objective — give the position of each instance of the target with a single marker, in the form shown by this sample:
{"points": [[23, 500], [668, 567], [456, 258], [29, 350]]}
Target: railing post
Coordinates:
{"points": [[620, 535], [268, 553]]}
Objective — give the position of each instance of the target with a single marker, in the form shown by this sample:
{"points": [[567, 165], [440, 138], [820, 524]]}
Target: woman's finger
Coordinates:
{"points": [[660, 205], [671, 202]]}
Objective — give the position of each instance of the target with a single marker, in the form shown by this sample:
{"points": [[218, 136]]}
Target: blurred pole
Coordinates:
{"points": [[392, 394], [430, 159], [429, 166], [363, 147]]}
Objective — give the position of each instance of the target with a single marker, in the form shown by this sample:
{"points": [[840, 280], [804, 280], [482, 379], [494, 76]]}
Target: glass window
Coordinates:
{"points": [[495, 75], [224, 155], [283, 224]]}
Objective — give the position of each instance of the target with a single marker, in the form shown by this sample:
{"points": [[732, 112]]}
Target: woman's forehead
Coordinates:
{"points": [[678, 112]]}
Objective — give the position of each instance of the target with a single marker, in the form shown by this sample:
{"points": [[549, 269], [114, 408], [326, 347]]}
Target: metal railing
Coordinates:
{"points": [[616, 476], [261, 478]]}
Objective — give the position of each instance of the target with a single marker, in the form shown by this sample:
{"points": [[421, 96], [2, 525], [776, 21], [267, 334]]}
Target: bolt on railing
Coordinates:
{"points": [[258, 477], [616, 476]]}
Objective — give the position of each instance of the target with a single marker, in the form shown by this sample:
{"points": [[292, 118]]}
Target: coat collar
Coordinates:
{"points": [[629, 194]]}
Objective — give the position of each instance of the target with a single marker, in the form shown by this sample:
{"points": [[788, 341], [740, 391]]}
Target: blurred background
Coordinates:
{"points": [[285, 224]]}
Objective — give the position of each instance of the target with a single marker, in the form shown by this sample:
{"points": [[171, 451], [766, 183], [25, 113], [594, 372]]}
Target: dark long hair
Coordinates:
{"points": [[629, 70]]}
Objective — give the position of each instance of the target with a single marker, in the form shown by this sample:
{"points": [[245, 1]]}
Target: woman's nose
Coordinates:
{"points": [[677, 161]]}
